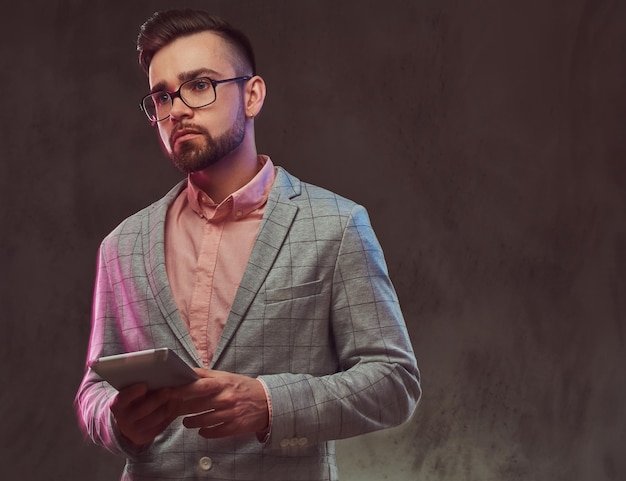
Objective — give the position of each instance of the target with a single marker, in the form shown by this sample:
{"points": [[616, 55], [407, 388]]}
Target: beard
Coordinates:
{"points": [[198, 154]]}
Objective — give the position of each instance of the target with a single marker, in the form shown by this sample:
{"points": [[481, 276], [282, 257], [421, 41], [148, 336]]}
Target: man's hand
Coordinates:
{"points": [[142, 415], [223, 404]]}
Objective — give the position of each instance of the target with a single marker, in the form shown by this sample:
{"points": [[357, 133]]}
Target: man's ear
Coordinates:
{"points": [[255, 96]]}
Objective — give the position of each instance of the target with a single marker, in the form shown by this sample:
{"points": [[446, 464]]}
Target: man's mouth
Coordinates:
{"points": [[182, 135]]}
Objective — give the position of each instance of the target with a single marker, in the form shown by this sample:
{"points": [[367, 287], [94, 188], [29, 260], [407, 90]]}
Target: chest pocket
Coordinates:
{"points": [[299, 291]]}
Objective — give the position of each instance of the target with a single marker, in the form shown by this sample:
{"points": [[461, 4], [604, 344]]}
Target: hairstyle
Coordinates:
{"points": [[164, 27]]}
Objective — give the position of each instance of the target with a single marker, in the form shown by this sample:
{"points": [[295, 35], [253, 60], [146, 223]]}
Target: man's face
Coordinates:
{"points": [[195, 139]]}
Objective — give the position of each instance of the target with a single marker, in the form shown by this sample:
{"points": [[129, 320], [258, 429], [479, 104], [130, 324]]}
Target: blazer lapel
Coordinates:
{"points": [[279, 215], [154, 250]]}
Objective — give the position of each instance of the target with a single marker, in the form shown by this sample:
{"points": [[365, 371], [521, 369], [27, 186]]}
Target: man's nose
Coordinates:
{"points": [[179, 108]]}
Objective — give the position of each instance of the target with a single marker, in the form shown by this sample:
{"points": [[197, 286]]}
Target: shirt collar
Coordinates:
{"points": [[241, 202]]}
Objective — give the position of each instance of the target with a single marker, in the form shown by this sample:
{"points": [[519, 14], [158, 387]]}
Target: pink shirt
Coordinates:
{"points": [[207, 247]]}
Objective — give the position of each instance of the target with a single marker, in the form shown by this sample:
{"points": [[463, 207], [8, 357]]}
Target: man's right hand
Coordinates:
{"points": [[142, 415]]}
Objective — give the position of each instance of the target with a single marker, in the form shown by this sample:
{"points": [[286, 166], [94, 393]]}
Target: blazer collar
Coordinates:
{"points": [[280, 213], [153, 230]]}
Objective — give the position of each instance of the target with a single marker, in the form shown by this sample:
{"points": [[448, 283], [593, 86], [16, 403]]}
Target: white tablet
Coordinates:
{"points": [[157, 368]]}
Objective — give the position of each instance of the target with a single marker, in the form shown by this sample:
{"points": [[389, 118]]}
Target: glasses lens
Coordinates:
{"points": [[157, 106], [198, 92]]}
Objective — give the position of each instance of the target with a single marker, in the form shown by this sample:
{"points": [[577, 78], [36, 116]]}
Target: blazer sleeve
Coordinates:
{"points": [[378, 384], [94, 395]]}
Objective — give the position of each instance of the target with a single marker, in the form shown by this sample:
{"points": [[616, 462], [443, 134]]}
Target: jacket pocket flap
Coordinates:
{"points": [[294, 292]]}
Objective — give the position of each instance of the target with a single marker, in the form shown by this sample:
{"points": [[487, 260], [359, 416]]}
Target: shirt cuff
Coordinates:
{"points": [[264, 436]]}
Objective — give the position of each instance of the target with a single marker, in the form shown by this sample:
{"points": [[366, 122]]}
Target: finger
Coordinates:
{"points": [[130, 409], [199, 396], [203, 387], [203, 372], [156, 421], [143, 429], [220, 430], [128, 395], [204, 419], [200, 405], [152, 403]]}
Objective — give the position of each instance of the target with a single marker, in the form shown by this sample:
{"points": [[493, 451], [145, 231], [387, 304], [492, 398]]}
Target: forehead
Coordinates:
{"points": [[199, 51]]}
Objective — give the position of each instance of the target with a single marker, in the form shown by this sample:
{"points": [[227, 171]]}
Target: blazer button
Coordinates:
{"points": [[284, 443], [205, 463]]}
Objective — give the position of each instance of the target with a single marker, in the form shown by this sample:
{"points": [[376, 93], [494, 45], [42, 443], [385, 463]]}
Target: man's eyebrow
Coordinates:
{"points": [[200, 72], [184, 76]]}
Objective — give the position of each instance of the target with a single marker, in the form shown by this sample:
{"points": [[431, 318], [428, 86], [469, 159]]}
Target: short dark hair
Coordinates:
{"points": [[164, 27]]}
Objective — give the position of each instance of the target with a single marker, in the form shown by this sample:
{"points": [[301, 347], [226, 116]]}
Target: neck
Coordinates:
{"points": [[229, 174]]}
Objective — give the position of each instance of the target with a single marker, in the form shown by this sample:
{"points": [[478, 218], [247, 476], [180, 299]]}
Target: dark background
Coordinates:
{"points": [[486, 139]]}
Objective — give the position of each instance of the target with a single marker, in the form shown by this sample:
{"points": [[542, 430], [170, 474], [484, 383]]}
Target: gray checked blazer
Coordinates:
{"points": [[315, 317]]}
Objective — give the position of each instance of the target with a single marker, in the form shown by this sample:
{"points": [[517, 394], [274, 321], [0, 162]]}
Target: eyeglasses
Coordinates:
{"points": [[194, 93]]}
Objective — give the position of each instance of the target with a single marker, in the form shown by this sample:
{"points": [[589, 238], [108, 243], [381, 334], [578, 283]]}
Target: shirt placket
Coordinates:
{"points": [[206, 332]]}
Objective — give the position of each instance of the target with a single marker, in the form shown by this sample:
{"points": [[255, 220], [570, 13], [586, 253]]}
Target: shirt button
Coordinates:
{"points": [[238, 213], [205, 463]]}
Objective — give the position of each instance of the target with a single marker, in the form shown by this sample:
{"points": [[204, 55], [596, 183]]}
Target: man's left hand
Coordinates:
{"points": [[223, 404]]}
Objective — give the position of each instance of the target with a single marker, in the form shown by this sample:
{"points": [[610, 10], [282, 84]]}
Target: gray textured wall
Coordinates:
{"points": [[485, 138]]}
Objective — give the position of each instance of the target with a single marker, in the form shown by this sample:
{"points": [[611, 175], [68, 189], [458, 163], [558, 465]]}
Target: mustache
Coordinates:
{"points": [[184, 129]]}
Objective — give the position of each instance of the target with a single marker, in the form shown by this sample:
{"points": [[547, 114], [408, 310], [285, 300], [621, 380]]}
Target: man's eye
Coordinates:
{"points": [[201, 84], [161, 98]]}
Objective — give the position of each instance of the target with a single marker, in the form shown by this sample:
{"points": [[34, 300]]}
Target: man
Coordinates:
{"points": [[275, 290]]}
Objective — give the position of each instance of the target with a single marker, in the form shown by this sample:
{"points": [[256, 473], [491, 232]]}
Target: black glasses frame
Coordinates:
{"points": [[176, 94]]}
